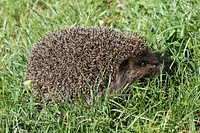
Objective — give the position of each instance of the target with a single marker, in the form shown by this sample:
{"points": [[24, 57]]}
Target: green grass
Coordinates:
{"points": [[169, 102]]}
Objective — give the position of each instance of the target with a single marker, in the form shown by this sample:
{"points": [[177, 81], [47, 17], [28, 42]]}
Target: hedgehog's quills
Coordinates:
{"points": [[63, 63]]}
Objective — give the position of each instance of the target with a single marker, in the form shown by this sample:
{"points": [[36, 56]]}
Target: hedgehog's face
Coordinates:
{"points": [[142, 65]]}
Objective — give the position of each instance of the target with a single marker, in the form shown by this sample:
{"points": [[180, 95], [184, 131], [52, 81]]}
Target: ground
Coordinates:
{"points": [[168, 102]]}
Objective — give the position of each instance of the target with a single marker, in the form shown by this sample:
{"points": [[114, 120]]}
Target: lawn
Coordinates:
{"points": [[168, 102]]}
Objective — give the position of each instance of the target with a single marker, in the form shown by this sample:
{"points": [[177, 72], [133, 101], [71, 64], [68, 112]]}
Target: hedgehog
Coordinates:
{"points": [[72, 61]]}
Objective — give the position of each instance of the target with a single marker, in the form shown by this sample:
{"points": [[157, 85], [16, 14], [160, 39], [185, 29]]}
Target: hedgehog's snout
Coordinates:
{"points": [[152, 69]]}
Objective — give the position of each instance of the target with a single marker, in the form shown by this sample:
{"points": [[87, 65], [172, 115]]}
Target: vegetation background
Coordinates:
{"points": [[169, 102]]}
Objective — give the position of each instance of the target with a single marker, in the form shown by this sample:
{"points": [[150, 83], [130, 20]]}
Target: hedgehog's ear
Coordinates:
{"points": [[124, 65]]}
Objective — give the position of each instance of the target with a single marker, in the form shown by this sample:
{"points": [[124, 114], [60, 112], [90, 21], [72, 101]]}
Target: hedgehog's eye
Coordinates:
{"points": [[143, 63]]}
